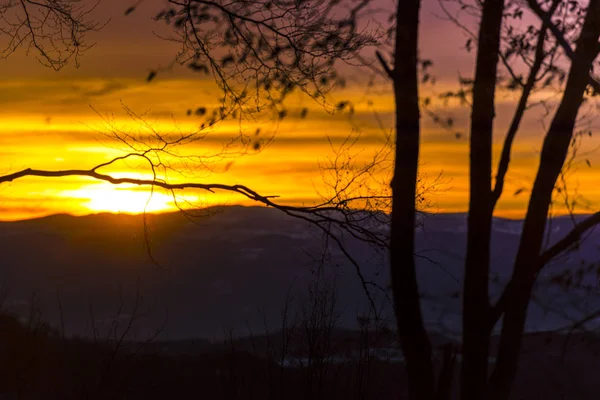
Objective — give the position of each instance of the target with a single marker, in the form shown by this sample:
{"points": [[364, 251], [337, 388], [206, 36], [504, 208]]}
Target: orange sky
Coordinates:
{"points": [[46, 122]]}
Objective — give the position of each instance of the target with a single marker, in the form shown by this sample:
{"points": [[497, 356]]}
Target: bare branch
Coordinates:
{"points": [[560, 37], [54, 29], [540, 55], [385, 65], [570, 240]]}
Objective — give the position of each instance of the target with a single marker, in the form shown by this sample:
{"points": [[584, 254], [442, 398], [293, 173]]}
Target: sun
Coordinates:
{"points": [[129, 201], [121, 199]]}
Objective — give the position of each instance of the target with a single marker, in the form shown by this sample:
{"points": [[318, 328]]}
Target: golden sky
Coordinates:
{"points": [[60, 120]]}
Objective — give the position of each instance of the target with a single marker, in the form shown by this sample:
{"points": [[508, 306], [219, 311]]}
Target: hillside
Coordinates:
{"points": [[233, 268]]}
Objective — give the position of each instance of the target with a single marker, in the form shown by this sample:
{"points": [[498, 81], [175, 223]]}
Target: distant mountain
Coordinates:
{"points": [[233, 268]]}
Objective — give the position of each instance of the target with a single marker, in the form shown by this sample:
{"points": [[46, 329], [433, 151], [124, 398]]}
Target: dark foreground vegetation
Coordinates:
{"points": [[36, 362]]}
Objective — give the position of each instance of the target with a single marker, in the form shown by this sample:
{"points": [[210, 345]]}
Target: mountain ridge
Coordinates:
{"points": [[222, 271]]}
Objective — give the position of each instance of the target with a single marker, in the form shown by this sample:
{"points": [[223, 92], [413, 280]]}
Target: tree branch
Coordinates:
{"points": [[560, 38], [384, 64], [540, 55], [92, 173], [563, 245], [316, 215], [569, 240]]}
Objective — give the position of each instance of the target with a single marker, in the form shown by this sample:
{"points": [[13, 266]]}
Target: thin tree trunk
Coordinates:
{"points": [[554, 153], [540, 55], [476, 303], [413, 337]]}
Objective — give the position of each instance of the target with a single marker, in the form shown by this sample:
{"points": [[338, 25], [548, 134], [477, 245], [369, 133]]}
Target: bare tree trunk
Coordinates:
{"points": [[413, 337], [554, 153], [476, 303]]}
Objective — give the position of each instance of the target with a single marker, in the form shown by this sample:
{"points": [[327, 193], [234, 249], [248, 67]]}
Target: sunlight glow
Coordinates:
{"points": [[60, 131], [124, 199]]}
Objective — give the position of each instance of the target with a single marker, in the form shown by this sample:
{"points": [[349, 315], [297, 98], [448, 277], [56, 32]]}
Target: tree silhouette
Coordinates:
{"points": [[54, 30], [479, 315], [259, 52]]}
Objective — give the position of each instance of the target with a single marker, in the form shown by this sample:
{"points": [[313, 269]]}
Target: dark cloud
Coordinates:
{"points": [[279, 139], [108, 88]]}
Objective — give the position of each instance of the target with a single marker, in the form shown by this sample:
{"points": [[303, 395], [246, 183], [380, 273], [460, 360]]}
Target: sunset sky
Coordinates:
{"points": [[59, 120]]}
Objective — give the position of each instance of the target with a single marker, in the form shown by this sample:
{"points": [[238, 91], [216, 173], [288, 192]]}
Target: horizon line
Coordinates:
{"points": [[178, 211]]}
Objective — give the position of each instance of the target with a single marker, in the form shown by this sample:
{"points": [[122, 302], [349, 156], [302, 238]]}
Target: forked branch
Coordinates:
{"points": [[565, 244], [546, 16], [321, 215]]}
